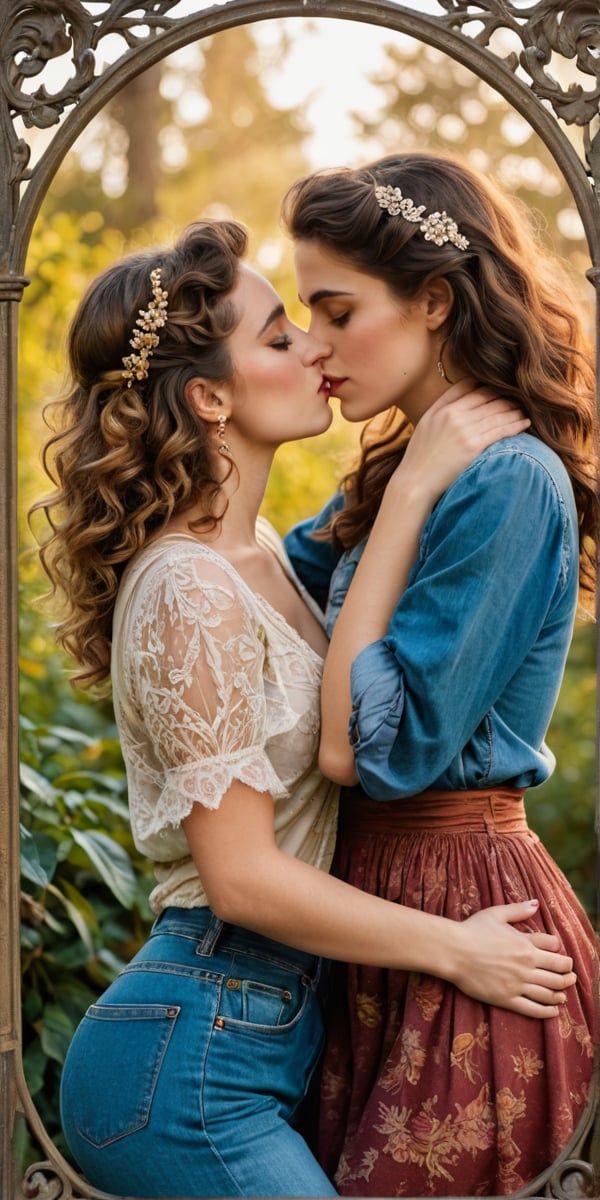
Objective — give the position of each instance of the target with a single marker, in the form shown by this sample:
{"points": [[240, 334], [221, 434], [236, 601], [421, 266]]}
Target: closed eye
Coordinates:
{"points": [[340, 321], [281, 343]]}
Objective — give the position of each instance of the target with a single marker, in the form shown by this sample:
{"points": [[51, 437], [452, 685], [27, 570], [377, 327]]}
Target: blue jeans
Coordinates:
{"points": [[183, 1080]]}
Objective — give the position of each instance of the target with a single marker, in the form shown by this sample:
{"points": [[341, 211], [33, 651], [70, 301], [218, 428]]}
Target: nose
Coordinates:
{"points": [[316, 350]]}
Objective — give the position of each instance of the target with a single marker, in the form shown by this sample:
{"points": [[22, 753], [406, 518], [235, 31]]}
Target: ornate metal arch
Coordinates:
{"points": [[35, 32]]}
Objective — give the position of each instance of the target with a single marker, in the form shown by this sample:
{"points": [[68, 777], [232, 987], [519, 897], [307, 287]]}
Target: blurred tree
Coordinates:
{"points": [[431, 102], [195, 135], [136, 110]]}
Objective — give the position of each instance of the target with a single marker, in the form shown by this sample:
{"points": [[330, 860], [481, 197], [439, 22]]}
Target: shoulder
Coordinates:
{"points": [[184, 580], [525, 459], [513, 503]]}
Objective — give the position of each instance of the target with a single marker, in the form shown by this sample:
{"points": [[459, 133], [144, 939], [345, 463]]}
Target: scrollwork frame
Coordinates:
{"points": [[32, 33]]}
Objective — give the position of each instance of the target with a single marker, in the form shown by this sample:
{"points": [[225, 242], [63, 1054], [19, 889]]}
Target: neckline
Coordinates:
{"points": [[235, 574]]}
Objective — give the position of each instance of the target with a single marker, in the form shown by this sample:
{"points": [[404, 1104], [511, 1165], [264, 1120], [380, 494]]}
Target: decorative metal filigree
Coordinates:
{"points": [[36, 33], [569, 30], [46, 1181]]}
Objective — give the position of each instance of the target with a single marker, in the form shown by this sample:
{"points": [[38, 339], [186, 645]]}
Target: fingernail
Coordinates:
{"points": [[533, 904]]}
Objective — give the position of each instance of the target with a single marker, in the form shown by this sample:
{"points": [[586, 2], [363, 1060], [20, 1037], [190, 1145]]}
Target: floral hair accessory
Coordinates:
{"points": [[145, 338], [437, 227]]}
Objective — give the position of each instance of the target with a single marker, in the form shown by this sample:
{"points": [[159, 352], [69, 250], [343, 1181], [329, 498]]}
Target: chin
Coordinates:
{"points": [[321, 426]]}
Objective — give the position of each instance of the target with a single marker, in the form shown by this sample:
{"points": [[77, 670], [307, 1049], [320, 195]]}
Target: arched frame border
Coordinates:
{"points": [[31, 34]]}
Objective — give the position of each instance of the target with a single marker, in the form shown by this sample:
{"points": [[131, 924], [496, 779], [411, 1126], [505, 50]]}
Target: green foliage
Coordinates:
{"points": [[84, 888], [562, 810], [84, 891], [65, 252]]}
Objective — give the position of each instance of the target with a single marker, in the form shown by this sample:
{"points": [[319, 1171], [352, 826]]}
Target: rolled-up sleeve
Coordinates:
{"points": [[494, 557]]}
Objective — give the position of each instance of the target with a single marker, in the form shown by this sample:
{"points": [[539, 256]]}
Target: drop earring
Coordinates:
{"points": [[223, 447], [440, 366]]}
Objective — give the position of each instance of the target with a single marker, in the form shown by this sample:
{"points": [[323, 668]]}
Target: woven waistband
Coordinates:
{"points": [[496, 811]]}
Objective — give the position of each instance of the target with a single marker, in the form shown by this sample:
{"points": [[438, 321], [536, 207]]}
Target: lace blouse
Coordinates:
{"points": [[211, 685]]}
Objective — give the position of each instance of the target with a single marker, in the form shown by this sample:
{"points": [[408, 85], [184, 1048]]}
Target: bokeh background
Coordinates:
{"points": [[221, 128]]}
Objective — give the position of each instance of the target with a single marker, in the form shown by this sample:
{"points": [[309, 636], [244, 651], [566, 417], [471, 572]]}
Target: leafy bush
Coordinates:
{"points": [[84, 899]]}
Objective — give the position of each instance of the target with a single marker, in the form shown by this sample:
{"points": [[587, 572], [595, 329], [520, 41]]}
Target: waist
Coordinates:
{"points": [[214, 936], [499, 810]]}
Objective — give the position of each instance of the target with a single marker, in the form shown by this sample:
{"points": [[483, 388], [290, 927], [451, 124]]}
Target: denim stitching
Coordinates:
{"points": [[149, 1095]]}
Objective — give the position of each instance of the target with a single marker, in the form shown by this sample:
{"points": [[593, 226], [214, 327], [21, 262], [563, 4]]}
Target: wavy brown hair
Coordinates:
{"points": [[514, 325], [124, 459]]}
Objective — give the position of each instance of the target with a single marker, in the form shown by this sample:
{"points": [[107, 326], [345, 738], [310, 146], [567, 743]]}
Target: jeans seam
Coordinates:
{"points": [[159, 966], [209, 1139]]}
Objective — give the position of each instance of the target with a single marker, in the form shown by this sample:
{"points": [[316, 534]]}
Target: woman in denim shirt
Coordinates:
{"points": [[451, 608]]}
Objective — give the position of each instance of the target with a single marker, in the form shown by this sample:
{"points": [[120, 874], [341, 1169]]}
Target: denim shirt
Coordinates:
{"points": [[460, 691]]}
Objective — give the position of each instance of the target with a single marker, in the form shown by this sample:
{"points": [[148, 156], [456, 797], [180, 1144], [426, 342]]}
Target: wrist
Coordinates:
{"points": [[452, 951], [414, 490]]}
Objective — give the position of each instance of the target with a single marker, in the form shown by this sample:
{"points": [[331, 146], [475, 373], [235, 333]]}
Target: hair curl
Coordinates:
{"points": [[514, 324], [124, 459]]}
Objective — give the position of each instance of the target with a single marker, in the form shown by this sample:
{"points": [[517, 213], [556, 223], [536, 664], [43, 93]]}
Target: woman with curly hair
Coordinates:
{"points": [[450, 624], [185, 1077]]}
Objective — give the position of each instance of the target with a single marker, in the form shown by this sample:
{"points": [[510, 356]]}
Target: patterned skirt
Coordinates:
{"points": [[426, 1092]]}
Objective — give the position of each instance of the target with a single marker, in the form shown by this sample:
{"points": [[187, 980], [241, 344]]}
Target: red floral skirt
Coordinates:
{"points": [[424, 1090]]}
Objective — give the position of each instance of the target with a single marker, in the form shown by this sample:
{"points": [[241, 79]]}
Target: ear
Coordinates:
{"points": [[438, 296], [207, 398]]}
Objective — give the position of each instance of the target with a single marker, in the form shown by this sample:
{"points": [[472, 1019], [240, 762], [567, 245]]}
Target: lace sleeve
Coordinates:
{"points": [[198, 676]]}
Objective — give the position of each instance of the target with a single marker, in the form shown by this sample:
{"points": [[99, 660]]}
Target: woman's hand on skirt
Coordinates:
{"points": [[521, 971]]}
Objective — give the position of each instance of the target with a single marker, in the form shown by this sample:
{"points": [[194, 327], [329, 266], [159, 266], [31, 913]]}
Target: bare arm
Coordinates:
{"points": [[250, 882], [457, 428]]}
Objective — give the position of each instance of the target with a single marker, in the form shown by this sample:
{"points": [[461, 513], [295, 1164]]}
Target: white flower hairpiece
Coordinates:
{"points": [[437, 227], [145, 338]]}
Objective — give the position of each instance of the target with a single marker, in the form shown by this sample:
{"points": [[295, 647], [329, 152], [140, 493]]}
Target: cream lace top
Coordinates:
{"points": [[210, 685]]}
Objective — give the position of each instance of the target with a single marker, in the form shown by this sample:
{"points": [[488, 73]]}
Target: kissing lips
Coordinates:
{"points": [[335, 383]]}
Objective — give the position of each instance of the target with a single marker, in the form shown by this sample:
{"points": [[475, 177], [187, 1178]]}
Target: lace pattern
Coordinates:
{"points": [[210, 686]]}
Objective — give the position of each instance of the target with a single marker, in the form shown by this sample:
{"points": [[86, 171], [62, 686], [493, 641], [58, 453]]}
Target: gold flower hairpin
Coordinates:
{"points": [[145, 338], [437, 227]]}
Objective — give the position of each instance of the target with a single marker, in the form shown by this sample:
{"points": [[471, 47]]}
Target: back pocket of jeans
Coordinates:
{"points": [[112, 1068]]}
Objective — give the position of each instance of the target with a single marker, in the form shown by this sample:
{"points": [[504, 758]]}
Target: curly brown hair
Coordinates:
{"points": [[514, 325], [124, 458]]}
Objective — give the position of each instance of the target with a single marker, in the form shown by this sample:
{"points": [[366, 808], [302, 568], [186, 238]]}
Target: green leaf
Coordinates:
{"points": [[80, 781], [34, 782], [34, 1065], [56, 1032], [79, 911], [111, 862], [65, 733], [31, 867]]}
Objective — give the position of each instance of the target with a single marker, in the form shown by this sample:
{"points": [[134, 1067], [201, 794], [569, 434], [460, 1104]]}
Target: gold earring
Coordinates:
{"points": [[223, 447], [440, 366]]}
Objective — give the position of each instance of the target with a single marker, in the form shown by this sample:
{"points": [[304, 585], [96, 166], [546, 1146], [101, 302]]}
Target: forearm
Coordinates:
{"points": [[380, 580], [294, 903], [249, 881]]}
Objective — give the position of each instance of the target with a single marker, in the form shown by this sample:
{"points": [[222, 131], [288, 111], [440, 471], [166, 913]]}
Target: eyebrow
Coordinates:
{"points": [[324, 294], [278, 311]]}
